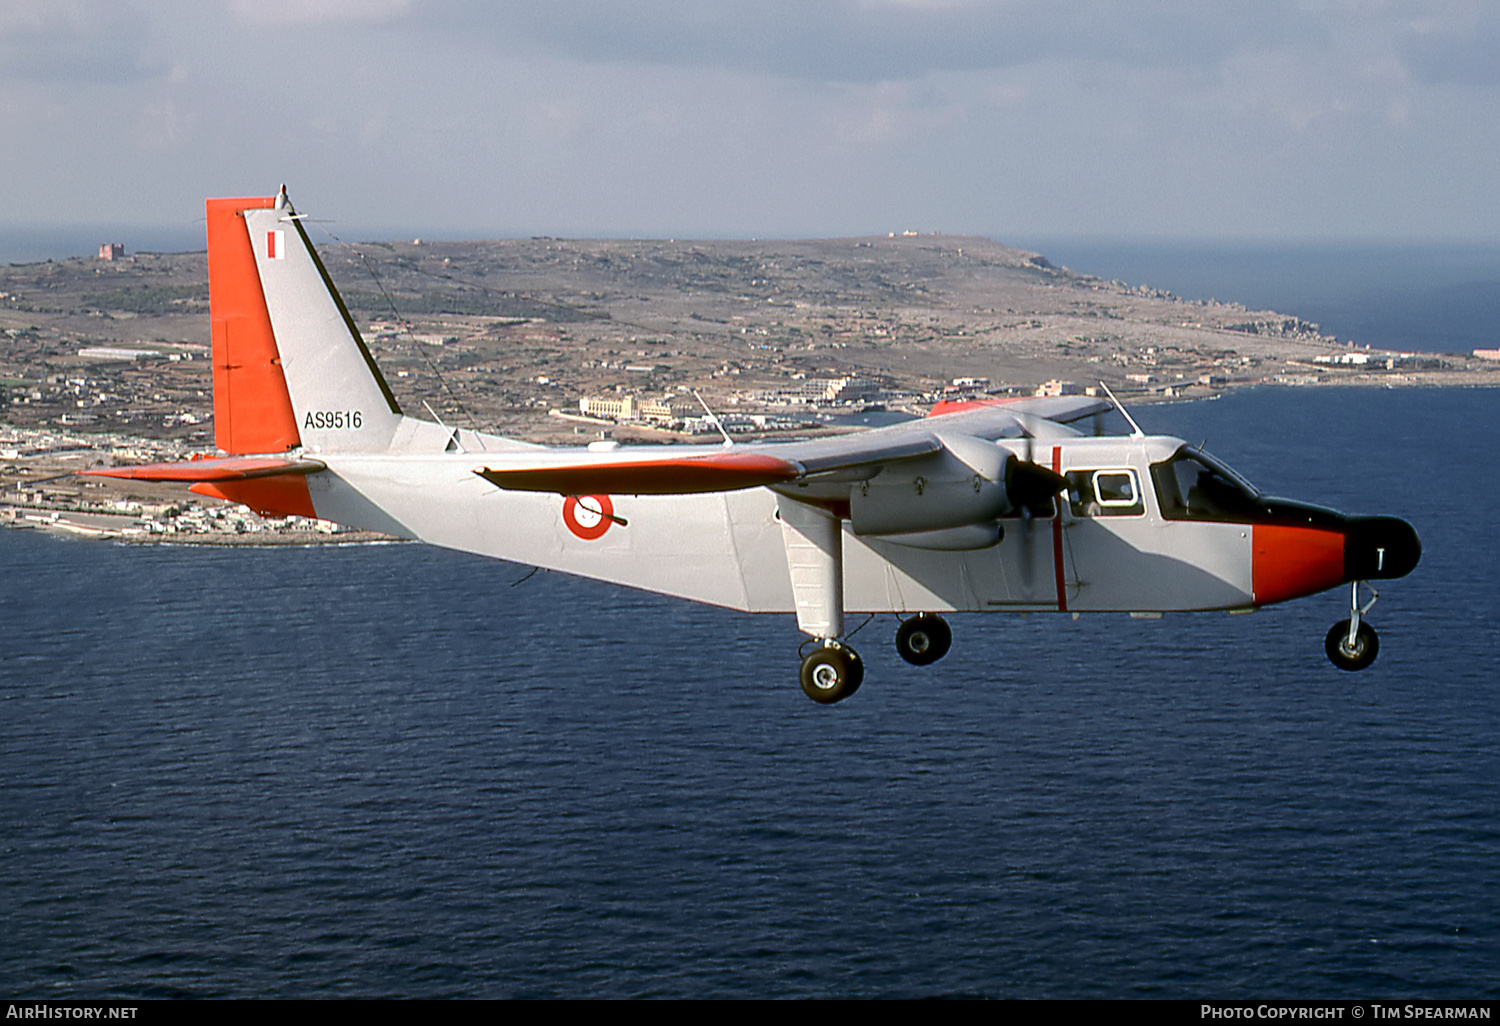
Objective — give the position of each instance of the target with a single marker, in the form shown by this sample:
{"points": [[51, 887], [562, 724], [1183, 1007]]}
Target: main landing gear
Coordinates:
{"points": [[833, 671], [924, 639], [1352, 644]]}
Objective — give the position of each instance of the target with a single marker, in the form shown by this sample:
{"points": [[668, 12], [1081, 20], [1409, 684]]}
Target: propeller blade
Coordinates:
{"points": [[1028, 542], [1030, 484]]}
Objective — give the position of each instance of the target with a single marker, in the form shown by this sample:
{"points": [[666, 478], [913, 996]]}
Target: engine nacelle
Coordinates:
{"points": [[969, 538], [970, 483], [934, 493]]}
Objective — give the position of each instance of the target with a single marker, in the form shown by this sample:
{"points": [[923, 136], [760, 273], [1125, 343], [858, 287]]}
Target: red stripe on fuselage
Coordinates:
{"points": [[1289, 562], [1057, 538]]}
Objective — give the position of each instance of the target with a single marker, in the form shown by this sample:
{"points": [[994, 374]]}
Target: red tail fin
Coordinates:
{"points": [[252, 410]]}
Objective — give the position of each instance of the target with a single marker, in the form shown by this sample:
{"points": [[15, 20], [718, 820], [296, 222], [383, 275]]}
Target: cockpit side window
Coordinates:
{"points": [[1104, 493], [1193, 486]]}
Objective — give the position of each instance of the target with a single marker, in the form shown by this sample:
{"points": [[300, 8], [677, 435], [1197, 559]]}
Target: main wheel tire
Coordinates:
{"points": [[1352, 657], [924, 639], [831, 674]]}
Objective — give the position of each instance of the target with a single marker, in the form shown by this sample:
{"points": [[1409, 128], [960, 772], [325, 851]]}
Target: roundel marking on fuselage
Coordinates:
{"points": [[588, 516]]}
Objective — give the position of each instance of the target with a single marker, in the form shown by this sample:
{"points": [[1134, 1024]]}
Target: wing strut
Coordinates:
{"points": [[1135, 429]]}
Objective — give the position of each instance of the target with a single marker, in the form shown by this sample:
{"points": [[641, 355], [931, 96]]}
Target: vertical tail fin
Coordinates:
{"points": [[295, 370], [252, 411]]}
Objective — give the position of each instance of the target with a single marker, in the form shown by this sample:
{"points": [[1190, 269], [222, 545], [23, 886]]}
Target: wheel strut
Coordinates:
{"points": [[1357, 611]]}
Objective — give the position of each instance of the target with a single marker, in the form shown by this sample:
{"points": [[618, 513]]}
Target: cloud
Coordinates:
{"points": [[316, 12], [781, 117], [1458, 45], [73, 40], [873, 40]]}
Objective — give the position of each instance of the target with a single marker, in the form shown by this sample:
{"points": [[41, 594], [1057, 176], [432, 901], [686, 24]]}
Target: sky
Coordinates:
{"points": [[1290, 120]]}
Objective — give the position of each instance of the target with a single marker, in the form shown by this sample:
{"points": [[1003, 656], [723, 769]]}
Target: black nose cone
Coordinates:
{"points": [[1380, 548]]}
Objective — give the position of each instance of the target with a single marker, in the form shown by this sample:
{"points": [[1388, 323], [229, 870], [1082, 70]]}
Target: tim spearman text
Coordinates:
{"points": [[1354, 1011]]}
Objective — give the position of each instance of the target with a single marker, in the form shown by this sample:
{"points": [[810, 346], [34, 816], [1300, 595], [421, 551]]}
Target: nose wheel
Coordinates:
{"points": [[1352, 644], [1350, 647]]}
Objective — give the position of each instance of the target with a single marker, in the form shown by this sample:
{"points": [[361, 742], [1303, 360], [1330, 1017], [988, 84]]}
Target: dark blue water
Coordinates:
{"points": [[29, 243], [384, 771], [1409, 297]]}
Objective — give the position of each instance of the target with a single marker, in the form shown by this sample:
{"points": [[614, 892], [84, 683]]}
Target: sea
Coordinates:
{"points": [[1413, 296], [386, 771]]}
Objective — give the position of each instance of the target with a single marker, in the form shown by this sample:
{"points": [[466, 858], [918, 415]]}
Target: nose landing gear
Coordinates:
{"points": [[1352, 644]]}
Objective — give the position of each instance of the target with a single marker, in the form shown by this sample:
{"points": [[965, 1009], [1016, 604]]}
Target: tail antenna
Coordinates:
{"points": [[1135, 429]]}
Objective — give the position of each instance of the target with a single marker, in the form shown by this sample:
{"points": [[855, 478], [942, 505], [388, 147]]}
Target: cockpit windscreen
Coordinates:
{"points": [[1192, 485]]}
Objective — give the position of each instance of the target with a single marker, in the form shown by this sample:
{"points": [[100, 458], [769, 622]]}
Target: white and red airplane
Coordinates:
{"points": [[993, 505]]}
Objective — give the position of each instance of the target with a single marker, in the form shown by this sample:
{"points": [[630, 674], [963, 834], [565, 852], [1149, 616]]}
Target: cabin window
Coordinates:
{"points": [[1194, 486], [1104, 493]]}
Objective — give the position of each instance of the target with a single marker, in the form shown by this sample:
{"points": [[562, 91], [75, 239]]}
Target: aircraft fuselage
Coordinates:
{"points": [[1112, 542]]}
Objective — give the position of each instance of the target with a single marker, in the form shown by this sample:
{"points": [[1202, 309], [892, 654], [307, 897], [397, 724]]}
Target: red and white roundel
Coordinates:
{"points": [[588, 516]]}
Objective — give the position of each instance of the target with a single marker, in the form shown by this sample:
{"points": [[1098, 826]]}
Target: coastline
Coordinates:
{"points": [[138, 513]]}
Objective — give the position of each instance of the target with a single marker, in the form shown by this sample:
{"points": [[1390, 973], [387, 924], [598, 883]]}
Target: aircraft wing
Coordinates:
{"points": [[956, 428], [726, 470], [1010, 417]]}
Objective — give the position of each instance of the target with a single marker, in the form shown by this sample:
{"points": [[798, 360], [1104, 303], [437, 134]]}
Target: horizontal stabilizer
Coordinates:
{"points": [[233, 468], [715, 472]]}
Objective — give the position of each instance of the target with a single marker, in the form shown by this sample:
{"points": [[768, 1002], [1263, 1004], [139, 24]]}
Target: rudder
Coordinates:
{"points": [[252, 410]]}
